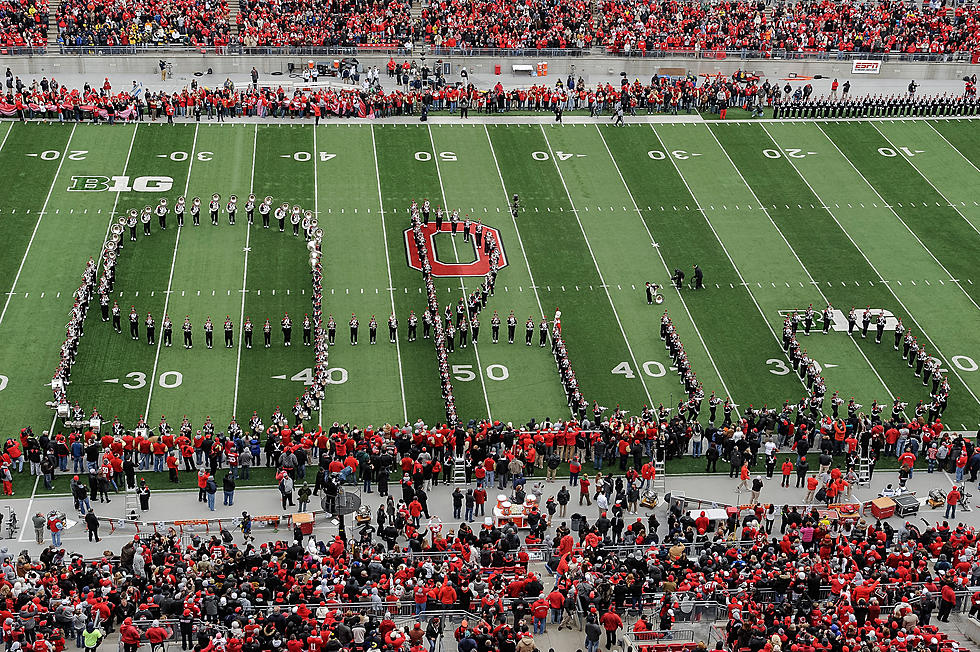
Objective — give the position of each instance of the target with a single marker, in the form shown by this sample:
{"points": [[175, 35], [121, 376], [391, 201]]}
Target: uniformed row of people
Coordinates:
{"points": [[876, 106]]}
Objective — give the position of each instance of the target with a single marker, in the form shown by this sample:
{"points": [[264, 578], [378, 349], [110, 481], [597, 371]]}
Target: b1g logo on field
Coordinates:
{"points": [[95, 183], [479, 267]]}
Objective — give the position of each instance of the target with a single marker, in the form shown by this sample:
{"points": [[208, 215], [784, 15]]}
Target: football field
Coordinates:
{"points": [[779, 216]]}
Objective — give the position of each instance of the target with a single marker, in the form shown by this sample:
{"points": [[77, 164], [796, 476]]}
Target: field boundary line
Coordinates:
{"points": [[595, 262], [704, 214], [462, 283], [37, 224], [915, 167], [170, 281], [520, 240], [795, 255], [391, 288], [241, 316], [680, 296], [952, 367], [952, 278]]}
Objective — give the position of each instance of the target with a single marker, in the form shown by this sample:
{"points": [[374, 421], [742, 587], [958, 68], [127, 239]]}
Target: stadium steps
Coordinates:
{"points": [[234, 8], [53, 7]]}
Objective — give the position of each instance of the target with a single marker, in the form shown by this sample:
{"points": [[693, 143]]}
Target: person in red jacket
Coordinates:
{"points": [[952, 499], [787, 469], [611, 622], [947, 598], [129, 635], [539, 615], [157, 635]]}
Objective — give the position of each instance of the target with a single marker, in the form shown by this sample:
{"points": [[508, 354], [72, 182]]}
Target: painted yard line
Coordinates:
{"points": [[951, 367], [241, 316], [899, 217], [725, 249], [595, 262], [520, 240], [391, 289], [800, 262], [316, 211], [664, 263], [170, 281], [938, 133], [44, 209], [462, 284], [517, 231], [115, 203], [29, 511], [929, 181]]}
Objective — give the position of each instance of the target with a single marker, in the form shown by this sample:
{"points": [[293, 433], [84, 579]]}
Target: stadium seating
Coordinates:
{"points": [[122, 22], [508, 24], [812, 27], [23, 23], [277, 23]]}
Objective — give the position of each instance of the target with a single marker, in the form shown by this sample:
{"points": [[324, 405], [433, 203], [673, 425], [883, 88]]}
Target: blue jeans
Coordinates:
{"points": [[573, 479], [900, 446], [959, 473], [555, 615], [367, 484], [598, 461], [158, 461], [56, 536], [469, 514], [419, 608], [229, 498], [932, 466], [84, 506], [79, 642], [591, 646], [63, 462], [77, 464], [210, 501], [696, 447], [950, 512], [538, 625]]}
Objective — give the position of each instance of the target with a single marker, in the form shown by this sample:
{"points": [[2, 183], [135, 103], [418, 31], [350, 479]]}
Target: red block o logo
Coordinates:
{"points": [[479, 267]]}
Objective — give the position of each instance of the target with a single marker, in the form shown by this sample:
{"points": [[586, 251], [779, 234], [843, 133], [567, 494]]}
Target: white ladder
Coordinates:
{"points": [[459, 470], [132, 505], [660, 479], [864, 470]]}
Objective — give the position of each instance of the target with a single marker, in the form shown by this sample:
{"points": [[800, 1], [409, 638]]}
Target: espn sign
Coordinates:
{"points": [[865, 67]]}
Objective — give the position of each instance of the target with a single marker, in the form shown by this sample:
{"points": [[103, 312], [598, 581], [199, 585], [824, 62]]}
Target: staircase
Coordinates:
{"points": [[234, 8], [53, 7], [459, 470]]}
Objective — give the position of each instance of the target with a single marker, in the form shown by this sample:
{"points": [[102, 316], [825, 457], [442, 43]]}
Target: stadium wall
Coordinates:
{"points": [[598, 67]]}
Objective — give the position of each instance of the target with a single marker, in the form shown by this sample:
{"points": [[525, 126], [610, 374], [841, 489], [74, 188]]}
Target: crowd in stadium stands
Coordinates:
{"points": [[790, 579], [507, 24], [808, 26], [149, 22], [23, 23], [278, 23]]}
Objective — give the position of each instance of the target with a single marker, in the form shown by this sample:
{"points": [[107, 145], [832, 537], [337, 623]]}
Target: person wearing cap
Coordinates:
{"points": [[593, 633], [92, 636]]}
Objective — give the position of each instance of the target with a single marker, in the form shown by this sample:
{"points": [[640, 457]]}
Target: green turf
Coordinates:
{"points": [[603, 210]]}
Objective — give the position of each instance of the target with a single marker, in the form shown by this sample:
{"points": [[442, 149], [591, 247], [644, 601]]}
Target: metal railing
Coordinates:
{"points": [[419, 49]]}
